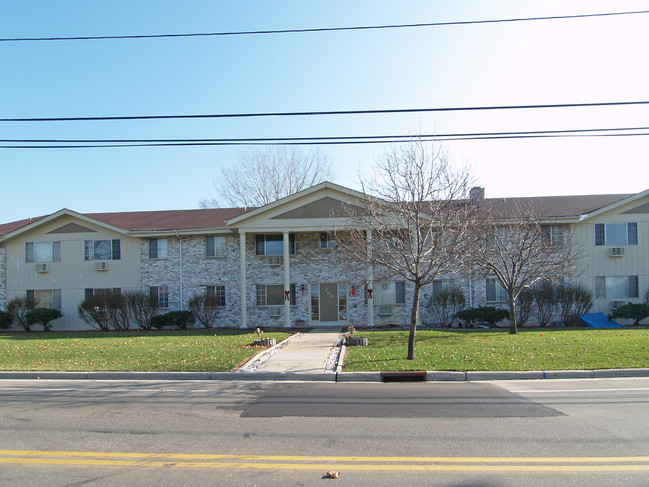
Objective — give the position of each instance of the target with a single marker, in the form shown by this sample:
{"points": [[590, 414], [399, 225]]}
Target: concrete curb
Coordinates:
{"points": [[431, 376]]}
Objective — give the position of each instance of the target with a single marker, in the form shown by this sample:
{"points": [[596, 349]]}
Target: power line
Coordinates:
{"points": [[319, 29], [341, 140], [322, 113]]}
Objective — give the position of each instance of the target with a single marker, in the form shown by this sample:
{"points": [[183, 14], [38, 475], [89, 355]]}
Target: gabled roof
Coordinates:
{"points": [[137, 221]]}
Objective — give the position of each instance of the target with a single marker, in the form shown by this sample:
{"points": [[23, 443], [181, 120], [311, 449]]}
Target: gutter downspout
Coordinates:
{"points": [[180, 268]]}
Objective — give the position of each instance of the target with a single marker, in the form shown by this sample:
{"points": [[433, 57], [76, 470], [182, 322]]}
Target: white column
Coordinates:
{"points": [[287, 282], [370, 281], [242, 279]]}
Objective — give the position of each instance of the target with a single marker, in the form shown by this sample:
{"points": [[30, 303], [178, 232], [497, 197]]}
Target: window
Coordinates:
{"points": [[43, 252], [327, 241], [159, 296], [102, 292], [216, 295], [102, 249], [616, 287], [555, 235], [274, 244], [273, 295], [215, 246], [158, 248], [495, 291], [45, 298], [389, 293], [616, 234], [441, 284]]}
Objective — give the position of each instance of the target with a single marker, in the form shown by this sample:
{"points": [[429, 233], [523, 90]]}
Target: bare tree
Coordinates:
{"points": [[411, 212], [513, 248], [266, 175]]}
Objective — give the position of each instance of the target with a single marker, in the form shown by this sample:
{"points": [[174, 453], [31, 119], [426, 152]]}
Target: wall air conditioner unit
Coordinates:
{"points": [[616, 251], [385, 310], [275, 312], [617, 304], [275, 261], [101, 266], [42, 268]]}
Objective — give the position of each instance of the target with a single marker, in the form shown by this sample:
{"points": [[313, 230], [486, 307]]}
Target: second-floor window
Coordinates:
{"points": [[215, 246], [43, 251], [102, 249], [273, 244], [616, 234], [158, 248]]}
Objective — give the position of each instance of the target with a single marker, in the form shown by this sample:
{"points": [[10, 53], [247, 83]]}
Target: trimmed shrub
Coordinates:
{"points": [[18, 308], [445, 305], [487, 314], [141, 308], [6, 320], [178, 319], [43, 316], [204, 309], [574, 300], [631, 311]]}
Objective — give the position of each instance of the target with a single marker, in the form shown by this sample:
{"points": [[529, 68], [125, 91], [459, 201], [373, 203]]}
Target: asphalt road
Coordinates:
{"points": [[108, 433]]}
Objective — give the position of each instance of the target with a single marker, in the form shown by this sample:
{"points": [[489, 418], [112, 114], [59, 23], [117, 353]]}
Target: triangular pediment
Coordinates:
{"points": [[326, 207], [638, 210], [72, 228]]}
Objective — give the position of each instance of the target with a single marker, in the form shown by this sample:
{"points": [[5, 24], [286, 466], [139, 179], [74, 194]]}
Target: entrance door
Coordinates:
{"points": [[329, 302]]}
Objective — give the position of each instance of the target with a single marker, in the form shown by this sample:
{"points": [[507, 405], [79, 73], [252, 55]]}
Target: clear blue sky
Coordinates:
{"points": [[543, 62]]}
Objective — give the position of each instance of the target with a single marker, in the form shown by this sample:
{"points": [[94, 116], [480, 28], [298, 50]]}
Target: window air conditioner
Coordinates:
{"points": [[385, 310], [616, 252], [275, 312], [616, 304], [275, 261], [101, 266], [41, 268]]}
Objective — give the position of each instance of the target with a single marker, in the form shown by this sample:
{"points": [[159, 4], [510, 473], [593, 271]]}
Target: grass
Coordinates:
{"points": [[186, 350], [469, 350]]}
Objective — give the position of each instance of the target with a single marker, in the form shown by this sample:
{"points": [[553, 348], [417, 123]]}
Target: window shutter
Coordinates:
{"points": [[491, 290], [153, 248], [600, 287], [153, 295], [56, 299], [632, 233], [400, 292], [29, 252], [633, 287], [117, 249], [600, 234], [56, 251], [260, 244], [209, 247]]}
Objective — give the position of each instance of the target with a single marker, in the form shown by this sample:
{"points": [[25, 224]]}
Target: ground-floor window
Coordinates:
{"points": [[216, 295], [389, 293], [102, 292], [159, 296], [495, 292], [273, 295], [45, 298], [616, 287]]}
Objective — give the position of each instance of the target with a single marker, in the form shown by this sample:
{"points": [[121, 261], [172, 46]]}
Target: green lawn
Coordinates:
{"points": [[187, 350], [537, 349]]}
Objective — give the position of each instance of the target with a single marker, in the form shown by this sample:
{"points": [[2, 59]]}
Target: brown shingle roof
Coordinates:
{"points": [[151, 220], [553, 206]]}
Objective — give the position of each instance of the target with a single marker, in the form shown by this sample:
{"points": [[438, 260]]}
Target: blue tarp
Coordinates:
{"points": [[599, 320]]}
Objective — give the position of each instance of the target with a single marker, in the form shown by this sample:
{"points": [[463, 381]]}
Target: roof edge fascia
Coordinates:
{"points": [[55, 216], [614, 205]]}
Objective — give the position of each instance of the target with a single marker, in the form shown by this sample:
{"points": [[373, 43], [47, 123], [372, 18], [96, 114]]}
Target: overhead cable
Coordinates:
{"points": [[319, 29]]}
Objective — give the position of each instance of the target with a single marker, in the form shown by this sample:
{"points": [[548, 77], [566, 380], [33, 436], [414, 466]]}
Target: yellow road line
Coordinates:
{"points": [[324, 467], [186, 456]]}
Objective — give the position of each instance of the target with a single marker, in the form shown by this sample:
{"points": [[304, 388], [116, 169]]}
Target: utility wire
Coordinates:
{"points": [[319, 113], [321, 29], [325, 138], [378, 139]]}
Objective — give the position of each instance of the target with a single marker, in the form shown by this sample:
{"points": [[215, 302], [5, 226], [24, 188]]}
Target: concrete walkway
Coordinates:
{"points": [[305, 355]]}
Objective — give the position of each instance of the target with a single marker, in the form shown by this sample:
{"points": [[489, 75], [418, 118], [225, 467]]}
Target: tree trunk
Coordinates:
{"points": [[513, 326], [414, 318]]}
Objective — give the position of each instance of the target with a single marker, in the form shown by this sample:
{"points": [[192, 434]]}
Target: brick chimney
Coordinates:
{"points": [[476, 194]]}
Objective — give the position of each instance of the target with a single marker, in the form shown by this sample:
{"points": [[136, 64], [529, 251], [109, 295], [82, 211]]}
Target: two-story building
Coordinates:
{"points": [[279, 265]]}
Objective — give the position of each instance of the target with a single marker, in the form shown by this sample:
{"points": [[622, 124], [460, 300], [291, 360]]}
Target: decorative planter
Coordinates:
{"points": [[356, 341], [265, 342]]}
